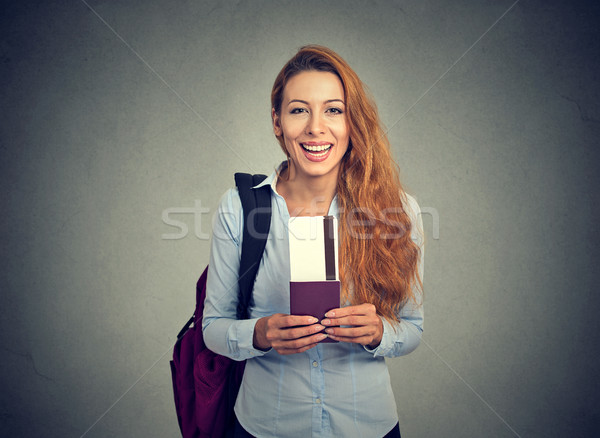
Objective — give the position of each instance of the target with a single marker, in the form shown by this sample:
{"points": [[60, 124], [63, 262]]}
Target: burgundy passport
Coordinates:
{"points": [[314, 298]]}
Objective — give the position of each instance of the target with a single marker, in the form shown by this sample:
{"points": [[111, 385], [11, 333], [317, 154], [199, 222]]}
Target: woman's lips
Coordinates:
{"points": [[316, 151]]}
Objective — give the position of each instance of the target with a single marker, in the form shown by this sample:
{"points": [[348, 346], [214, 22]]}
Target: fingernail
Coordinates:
{"points": [[329, 330], [321, 337], [330, 314], [326, 322], [313, 320]]}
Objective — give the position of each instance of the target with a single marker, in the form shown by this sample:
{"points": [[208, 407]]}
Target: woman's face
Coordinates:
{"points": [[313, 123]]}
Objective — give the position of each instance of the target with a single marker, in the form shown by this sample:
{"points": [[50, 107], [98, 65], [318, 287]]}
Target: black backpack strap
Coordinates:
{"points": [[256, 204]]}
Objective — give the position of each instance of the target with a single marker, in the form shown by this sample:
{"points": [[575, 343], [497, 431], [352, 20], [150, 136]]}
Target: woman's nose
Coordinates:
{"points": [[315, 125]]}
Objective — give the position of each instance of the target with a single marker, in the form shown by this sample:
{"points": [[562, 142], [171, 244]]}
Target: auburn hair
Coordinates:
{"points": [[378, 259]]}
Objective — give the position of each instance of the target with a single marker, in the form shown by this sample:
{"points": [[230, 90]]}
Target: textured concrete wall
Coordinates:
{"points": [[116, 111]]}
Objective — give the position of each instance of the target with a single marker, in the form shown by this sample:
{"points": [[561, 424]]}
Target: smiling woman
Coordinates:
{"points": [[313, 125], [339, 164]]}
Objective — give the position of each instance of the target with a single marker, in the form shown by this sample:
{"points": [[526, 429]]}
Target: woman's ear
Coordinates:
{"points": [[276, 123]]}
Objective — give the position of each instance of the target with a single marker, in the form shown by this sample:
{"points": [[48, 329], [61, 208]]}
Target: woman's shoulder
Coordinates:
{"points": [[414, 213], [230, 201], [411, 206], [229, 214]]}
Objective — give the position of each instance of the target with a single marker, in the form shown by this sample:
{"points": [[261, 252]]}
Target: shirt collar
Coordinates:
{"points": [[272, 179]]}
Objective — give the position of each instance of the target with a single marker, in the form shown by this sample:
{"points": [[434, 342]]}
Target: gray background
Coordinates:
{"points": [[96, 142]]}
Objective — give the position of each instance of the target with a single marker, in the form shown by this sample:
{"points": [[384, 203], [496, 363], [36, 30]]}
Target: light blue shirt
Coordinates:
{"points": [[331, 390]]}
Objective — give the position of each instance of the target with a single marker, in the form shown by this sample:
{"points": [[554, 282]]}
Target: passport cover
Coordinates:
{"points": [[314, 298]]}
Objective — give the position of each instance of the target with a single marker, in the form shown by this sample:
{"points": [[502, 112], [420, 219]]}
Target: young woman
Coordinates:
{"points": [[338, 163]]}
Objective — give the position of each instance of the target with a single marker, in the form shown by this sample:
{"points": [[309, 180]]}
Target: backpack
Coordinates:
{"points": [[205, 384]]}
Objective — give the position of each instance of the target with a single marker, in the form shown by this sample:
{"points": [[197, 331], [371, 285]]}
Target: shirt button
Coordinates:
{"points": [[318, 401], [315, 363]]}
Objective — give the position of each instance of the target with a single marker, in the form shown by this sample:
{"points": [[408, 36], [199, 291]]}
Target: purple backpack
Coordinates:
{"points": [[205, 384]]}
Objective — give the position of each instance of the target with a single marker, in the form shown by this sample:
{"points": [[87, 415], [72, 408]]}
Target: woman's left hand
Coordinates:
{"points": [[367, 327]]}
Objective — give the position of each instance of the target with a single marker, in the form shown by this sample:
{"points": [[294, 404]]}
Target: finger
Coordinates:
{"points": [[351, 332], [296, 344], [301, 332], [282, 321], [361, 309], [350, 320], [277, 337], [333, 313]]}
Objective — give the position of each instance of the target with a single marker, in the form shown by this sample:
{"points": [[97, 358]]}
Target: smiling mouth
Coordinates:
{"points": [[317, 150]]}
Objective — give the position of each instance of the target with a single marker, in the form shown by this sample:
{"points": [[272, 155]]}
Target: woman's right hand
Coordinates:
{"points": [[287, 334]]}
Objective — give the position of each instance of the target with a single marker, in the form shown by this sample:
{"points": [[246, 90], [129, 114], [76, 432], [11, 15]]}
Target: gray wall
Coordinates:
{"points": [[110, 119]]}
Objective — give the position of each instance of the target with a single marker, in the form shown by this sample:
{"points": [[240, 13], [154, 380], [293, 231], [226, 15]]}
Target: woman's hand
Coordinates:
{"points": [[287, 334], [367, 327]]}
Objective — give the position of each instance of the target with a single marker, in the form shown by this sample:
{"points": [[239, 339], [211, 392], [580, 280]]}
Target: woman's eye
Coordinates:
{"points": [[298, 110], [335, 110]]}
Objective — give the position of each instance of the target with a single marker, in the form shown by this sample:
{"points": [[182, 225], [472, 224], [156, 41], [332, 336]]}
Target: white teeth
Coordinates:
{"points": [[320, 154], [316, 148]]}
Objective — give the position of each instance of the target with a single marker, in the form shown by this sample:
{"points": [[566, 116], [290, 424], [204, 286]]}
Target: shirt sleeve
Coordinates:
{"points": [[404, 337], [223, 333]]}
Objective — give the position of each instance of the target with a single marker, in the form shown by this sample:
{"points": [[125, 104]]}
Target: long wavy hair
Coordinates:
{"points": [[378, 259]]}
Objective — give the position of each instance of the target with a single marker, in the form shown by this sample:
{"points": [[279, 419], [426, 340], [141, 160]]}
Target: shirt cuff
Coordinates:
{"points": [[388, 339], [245, 339]]}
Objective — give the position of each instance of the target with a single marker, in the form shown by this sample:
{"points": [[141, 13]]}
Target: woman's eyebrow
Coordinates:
{"points": [[306, 103]]}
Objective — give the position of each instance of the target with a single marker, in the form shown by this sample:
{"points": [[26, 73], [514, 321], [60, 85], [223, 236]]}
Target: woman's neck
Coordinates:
{"points": [[307, 195]]}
